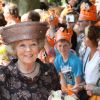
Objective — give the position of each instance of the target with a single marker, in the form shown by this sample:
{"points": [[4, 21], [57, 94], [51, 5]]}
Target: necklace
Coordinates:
{"points": [[30, 72], [22, 71], [34, 73]]}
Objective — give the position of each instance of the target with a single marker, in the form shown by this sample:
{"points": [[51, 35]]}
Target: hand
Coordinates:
{"points": [[67, 89], [89, 93], [76, 89], [89, 89], [64, 88]]}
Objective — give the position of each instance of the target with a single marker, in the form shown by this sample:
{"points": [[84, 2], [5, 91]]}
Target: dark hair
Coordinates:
{"points": [[34, 16], [93, 34], [13, 9], [62, 25], [43, 6], [2, 20], [14, 12]]}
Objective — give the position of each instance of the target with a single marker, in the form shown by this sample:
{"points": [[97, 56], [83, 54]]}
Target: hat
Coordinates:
{"points": [[88, 12], [53, 18], [23, 31], [64, 34]]}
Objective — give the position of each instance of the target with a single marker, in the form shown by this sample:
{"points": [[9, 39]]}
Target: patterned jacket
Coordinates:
{"points": [[15, 86]]}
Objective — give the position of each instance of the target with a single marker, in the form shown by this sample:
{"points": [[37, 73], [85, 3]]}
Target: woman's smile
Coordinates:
{"points": [[27, 51]]}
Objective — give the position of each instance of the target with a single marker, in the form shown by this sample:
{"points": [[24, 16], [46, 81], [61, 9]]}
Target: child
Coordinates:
{"points": [[68, 65]]}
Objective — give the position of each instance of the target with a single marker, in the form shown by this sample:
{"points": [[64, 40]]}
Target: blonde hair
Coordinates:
{"points": [[41, 44], [57, 10], [11, 48]]}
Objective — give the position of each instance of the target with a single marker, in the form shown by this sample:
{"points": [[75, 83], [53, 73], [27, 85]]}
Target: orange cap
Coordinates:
{"points": [[53, 19], [88, 12], [64, 34]]}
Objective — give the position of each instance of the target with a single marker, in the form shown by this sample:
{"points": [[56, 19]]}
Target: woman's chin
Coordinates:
{"points": [[28, 61]]}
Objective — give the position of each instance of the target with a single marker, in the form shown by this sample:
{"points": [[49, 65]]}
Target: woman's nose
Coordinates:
{"points": [[28, 48], [62, 47]]}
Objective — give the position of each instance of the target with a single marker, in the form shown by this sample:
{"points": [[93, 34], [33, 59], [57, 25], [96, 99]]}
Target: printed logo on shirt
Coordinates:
{"points": [[68, 74]]}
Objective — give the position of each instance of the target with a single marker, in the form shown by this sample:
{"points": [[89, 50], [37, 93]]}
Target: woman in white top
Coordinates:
{"points": [[91, 67], [95, 90]]}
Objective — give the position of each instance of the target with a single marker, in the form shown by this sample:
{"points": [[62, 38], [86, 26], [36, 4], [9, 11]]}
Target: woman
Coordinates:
{"points": [[28, 78], [92, 89], [92, 62]]}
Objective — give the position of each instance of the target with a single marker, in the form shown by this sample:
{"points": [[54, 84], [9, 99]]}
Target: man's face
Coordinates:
{"points": [[82, 25], [70, 24]]}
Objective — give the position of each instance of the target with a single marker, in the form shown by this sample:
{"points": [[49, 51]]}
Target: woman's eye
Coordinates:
{"points": [[22, 45], [34, 44]]}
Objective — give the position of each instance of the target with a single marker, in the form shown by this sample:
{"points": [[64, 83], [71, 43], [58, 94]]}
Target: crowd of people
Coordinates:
{"points": [[50, 53]]}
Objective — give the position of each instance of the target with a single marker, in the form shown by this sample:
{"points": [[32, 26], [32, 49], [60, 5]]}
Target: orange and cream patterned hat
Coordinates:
{"points": [[88, 12], [63, 34]]}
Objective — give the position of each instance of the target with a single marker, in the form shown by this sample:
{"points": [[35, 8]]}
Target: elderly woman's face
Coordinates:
{"points": [[27, 51]]}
